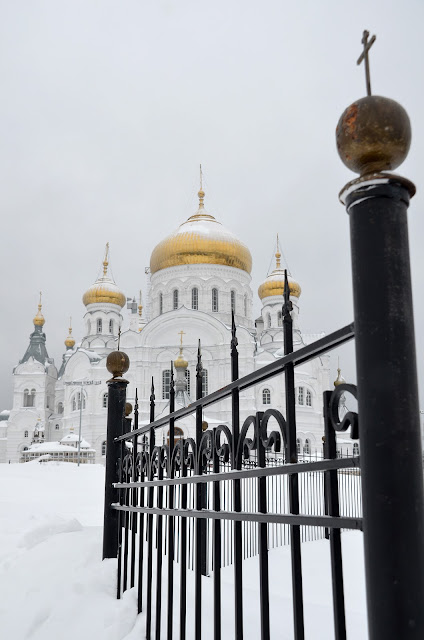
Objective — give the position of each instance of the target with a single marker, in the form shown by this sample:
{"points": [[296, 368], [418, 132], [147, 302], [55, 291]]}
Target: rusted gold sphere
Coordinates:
{"points": [[128, 409], [373, 135], [117, 363]]}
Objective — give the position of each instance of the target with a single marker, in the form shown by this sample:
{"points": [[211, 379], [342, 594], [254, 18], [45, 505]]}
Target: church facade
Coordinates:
{"points": [[199, 276]]}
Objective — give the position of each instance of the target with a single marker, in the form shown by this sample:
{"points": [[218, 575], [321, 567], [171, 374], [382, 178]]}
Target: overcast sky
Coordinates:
{"points": [[108, 107]]}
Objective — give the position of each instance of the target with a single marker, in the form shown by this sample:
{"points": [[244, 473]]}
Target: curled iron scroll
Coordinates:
{"points": [[350, 419], [223, 449], [274, 438], [245, 444]]}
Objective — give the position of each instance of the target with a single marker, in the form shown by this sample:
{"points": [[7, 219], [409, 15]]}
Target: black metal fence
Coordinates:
{"points": [[206, 502]]}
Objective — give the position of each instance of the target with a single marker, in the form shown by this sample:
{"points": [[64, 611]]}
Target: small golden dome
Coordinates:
{"points": [[201, 240], [104, 290], [180, 362], [274, 283], [339, 379], [70, 342], [39, 318]]}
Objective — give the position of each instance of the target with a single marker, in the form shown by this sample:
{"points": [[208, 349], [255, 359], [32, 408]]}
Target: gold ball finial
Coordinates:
{"points": [[117, 363], [373, 135]]}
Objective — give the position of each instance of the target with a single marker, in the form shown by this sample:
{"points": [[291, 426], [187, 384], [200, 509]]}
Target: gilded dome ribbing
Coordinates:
{"points": [[201, 240], [104, 290]]}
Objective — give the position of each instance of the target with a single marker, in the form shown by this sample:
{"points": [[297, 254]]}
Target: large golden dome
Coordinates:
{"points": [[201, 240], [104, 290], [274, 283]]}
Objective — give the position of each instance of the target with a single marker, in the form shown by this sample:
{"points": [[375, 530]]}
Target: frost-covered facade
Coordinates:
{"points": [[198, 275]]}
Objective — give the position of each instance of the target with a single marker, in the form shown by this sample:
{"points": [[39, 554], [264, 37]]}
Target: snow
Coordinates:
{"points": [[53, 583]]}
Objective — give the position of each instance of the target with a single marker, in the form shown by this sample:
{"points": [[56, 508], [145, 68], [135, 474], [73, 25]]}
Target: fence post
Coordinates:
{"points": [[117, 364], [389, 429]]}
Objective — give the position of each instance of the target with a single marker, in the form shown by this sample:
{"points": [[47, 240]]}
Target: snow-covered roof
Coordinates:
{"points": [[50, 447], [72, 437]]}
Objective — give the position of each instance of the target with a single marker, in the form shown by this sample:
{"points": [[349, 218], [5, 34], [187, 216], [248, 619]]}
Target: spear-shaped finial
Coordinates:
{"points": [[234, 341], [288, 305], [199, 366], [119, 338]]}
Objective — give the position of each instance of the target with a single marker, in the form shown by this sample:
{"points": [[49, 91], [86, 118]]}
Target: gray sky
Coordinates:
{"points": [[109, 107]]}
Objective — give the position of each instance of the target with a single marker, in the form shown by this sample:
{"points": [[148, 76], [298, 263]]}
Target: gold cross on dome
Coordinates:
{"points": [[181, 334], [364, 56]]}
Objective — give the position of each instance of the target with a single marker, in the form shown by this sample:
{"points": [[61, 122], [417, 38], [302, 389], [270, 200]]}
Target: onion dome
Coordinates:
{"points": [[104, 290], [339, 379], [70, 342], [201, 240], [274, 283], [181, 362], [39, 318]]}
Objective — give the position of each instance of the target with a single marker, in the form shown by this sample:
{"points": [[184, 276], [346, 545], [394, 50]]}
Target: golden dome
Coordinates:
{"points": [[274, 283], [181, 362], [70, 342], [38, 319], [339, 379], [201, 240], [104, 290]]}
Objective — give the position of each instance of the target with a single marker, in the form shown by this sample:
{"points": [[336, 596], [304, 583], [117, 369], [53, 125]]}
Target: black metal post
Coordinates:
{"points": [[117, 389], [389, 428]]}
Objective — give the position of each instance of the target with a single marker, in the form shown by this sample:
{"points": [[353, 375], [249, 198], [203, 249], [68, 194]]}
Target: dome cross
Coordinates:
{"points": [[364, 56]]}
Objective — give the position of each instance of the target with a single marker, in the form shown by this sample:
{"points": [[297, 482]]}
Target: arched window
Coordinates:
{"points": [[175, 299], [99, 325], [307, 447], [60, 407], [104, 400], [160, 304], [268, 320], [298, 446], [195, 298], [111, 326], [280, 319], [166, 383], [104, 448], [308, 398], [26, 434], [215, 301], [29, 398], [245, 304], [57, 427], [266, 396], [74, 403], [355, 449], [204, 382], [301, 395], [233, 301], [187, 375]]}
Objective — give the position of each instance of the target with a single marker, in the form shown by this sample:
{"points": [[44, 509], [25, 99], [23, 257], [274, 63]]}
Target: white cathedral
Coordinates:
{"points": [[198, 275]]}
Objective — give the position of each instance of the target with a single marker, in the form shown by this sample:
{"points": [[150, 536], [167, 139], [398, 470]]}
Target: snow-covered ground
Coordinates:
{"points": [[54, 585]]}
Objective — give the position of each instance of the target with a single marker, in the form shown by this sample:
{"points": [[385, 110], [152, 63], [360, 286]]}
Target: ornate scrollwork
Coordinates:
{"points": [[350, 419], [127, 467], [224, 449]]}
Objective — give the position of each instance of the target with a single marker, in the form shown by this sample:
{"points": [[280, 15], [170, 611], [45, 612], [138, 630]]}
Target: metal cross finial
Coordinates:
{"points": [[364, 56], [106, 260], [201, 179], [181, 334]]}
